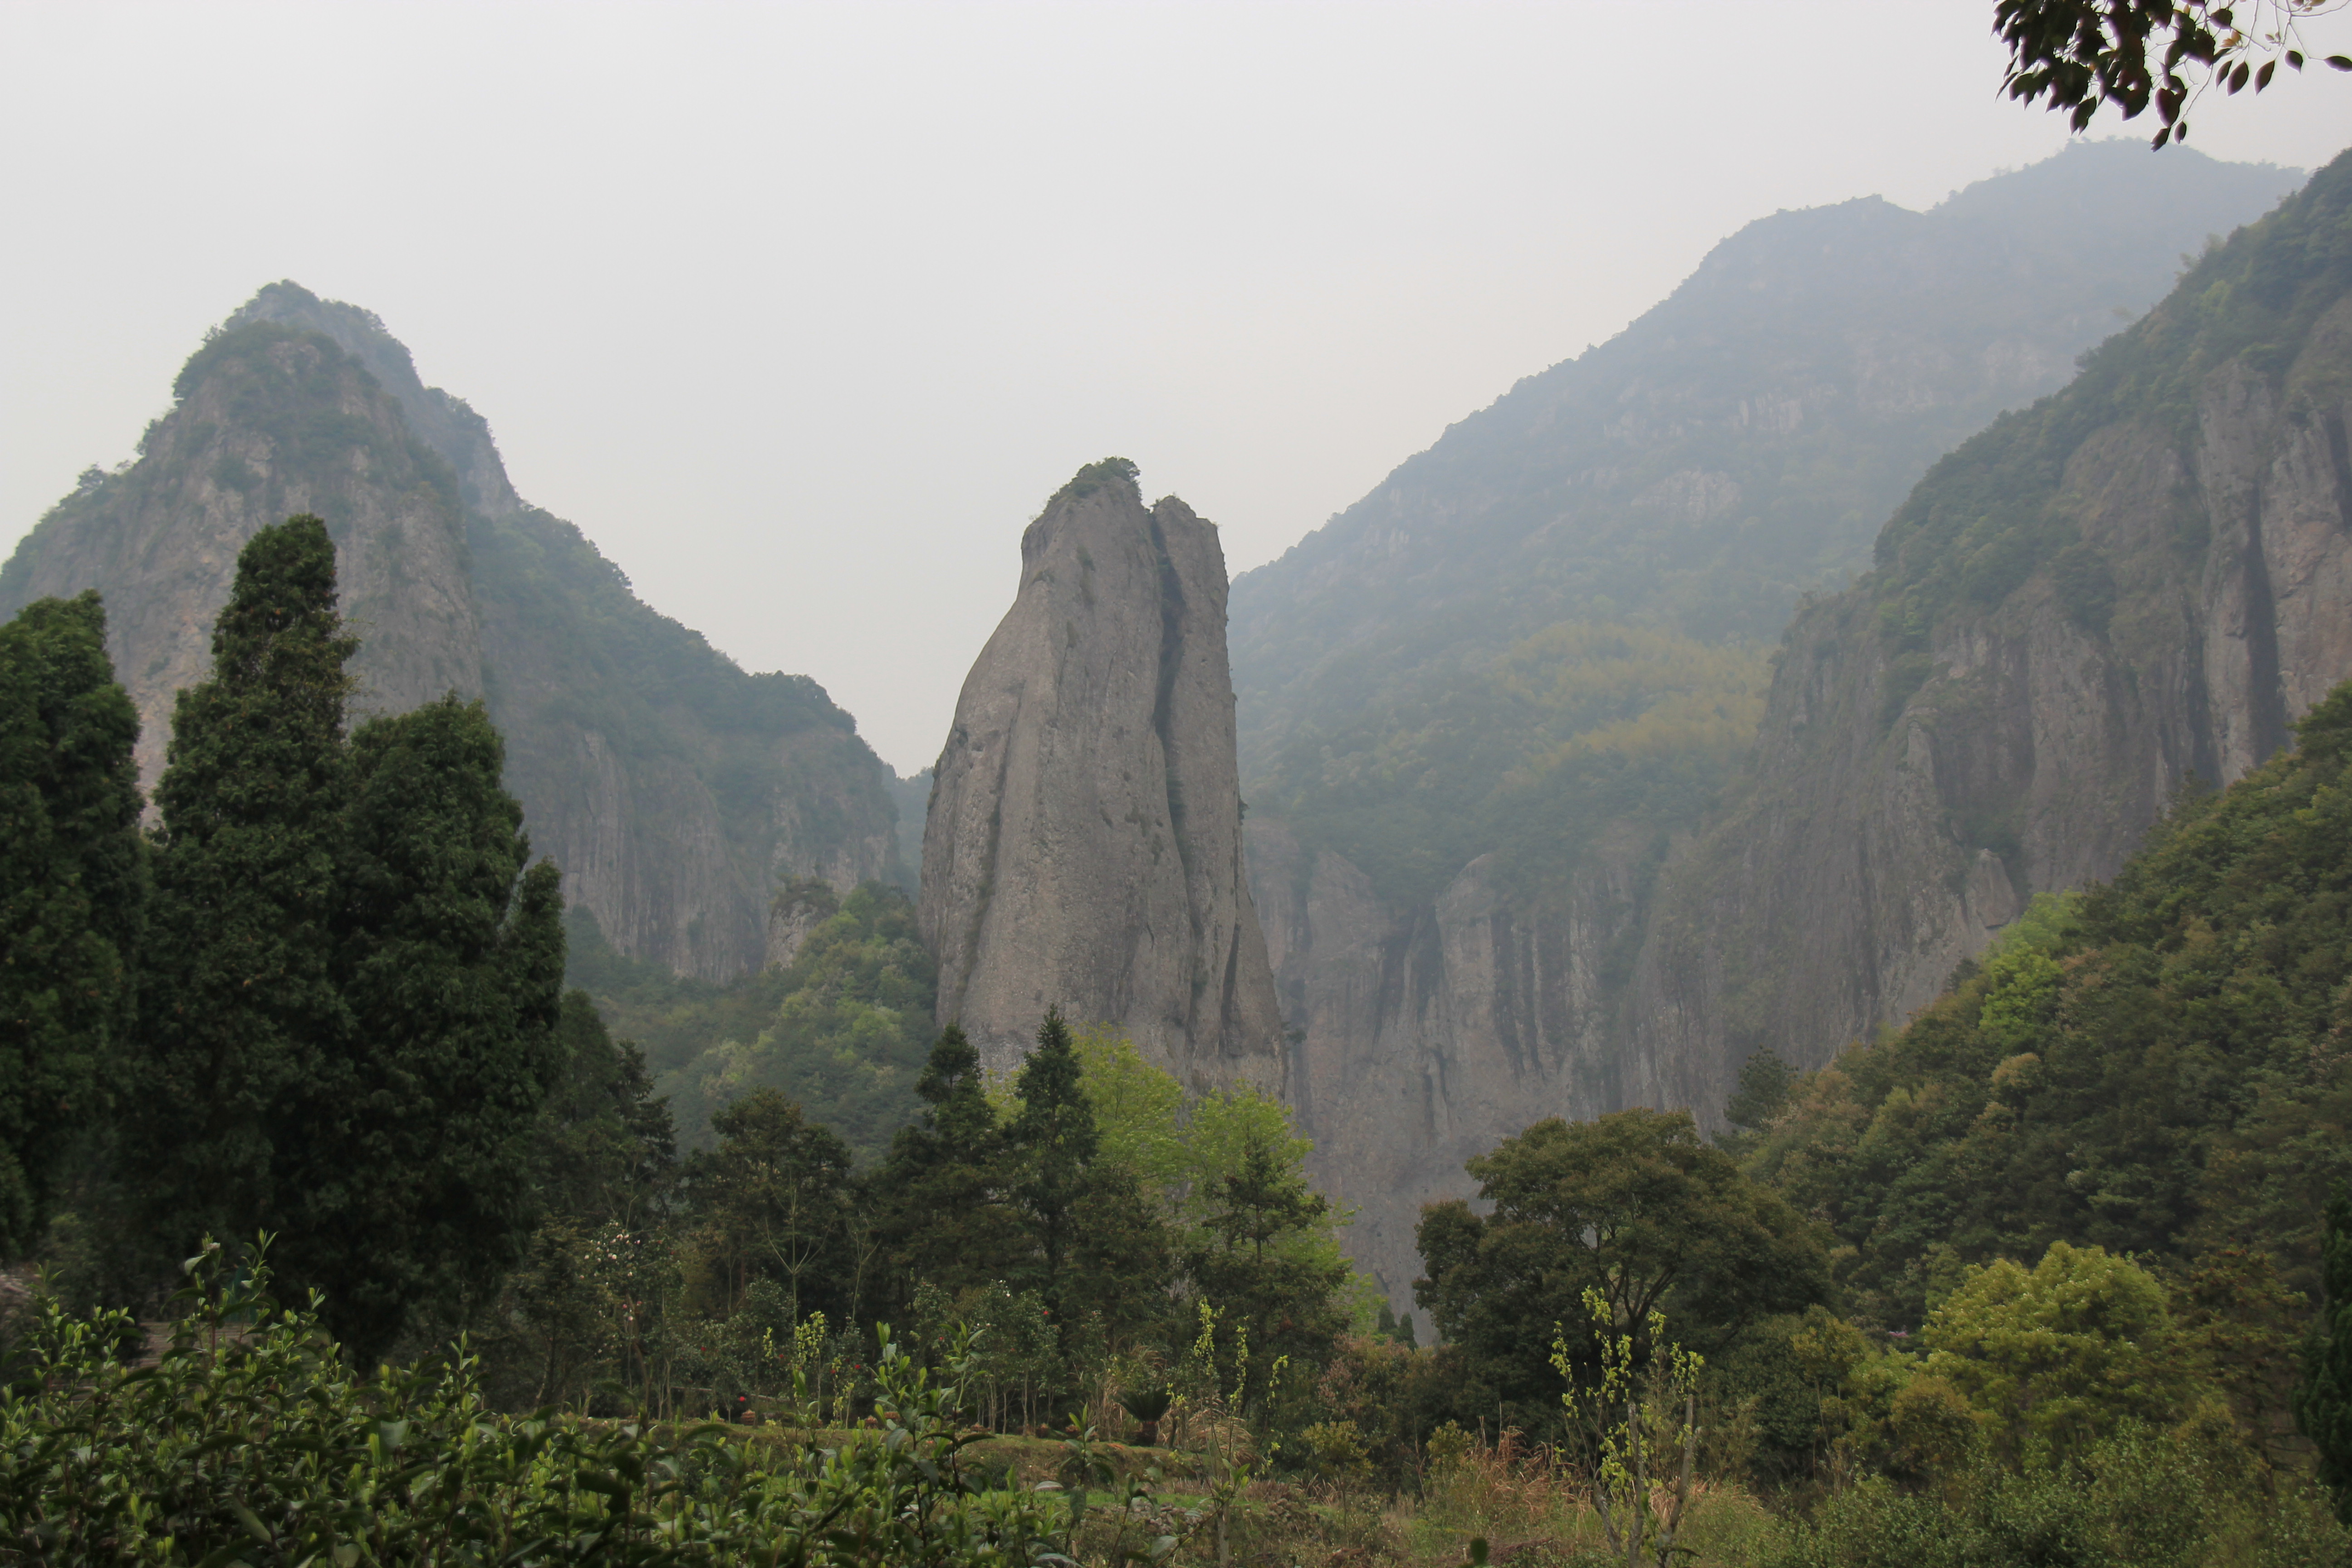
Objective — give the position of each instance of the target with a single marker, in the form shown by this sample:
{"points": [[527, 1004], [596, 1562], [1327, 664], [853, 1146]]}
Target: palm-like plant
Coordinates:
{"points": [[1146, 1405]]}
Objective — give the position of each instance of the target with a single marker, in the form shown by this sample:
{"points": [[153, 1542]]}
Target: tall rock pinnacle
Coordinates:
{"points": [[1084, 846]]}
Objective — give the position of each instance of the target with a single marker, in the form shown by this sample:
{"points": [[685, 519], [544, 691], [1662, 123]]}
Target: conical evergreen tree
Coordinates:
{"points": [[240, 1008], [1248, 1265], [938, 1199], [1054, 1139], [406, 1177], [2323, 1405], [351, 982], [71, 893]]}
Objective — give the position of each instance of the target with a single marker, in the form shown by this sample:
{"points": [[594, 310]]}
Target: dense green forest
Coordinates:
{"points": [[2047, 1276], [842, 1028], [1580, 730], [1640, 521]]}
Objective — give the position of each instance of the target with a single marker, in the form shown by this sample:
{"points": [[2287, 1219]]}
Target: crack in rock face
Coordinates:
{"points": [[1084, 846]]}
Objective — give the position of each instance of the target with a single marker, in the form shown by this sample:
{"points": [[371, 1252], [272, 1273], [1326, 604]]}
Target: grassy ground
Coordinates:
{"points": [[1531, 1517]]}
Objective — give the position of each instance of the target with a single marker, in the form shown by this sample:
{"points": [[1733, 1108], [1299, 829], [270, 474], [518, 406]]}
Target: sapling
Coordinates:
{"points": [[1629, 1417]]}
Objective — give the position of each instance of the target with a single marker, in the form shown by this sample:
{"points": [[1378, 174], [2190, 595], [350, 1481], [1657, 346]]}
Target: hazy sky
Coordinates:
{"points": [[802, 311]]}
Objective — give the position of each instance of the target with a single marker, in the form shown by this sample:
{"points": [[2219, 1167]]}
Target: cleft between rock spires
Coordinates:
{"points": [[1084, 845]]}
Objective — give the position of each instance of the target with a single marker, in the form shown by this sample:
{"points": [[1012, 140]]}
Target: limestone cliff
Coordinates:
{"points": [[2145, 578], [1464, 959], [677, 792], [1736, 446], [1084, 842], [268, 422]]}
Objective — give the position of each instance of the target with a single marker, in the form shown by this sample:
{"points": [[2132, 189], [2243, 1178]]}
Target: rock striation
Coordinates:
{"points": [[677, 792], [1741, 443], [2141, 582], [1084, 842]]}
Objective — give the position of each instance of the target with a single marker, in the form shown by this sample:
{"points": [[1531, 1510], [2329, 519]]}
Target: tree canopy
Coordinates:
{"points": [[2076, 56], [1634, 1204], [351, 978], [72, 886]]}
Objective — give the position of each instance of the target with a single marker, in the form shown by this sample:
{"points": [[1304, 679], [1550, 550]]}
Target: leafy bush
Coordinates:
{"points": [[249, 1439], [2137, 1500]]}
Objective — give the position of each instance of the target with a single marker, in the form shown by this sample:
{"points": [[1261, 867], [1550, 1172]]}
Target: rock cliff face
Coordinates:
{"points": [[677, 792], [1744, 440], [1737, 447], [268, 421], [2145, 578], [1431, 1030], [1084, 841]]}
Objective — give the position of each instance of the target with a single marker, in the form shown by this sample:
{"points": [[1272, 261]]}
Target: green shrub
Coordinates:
{"points": [[250, 1440], [2137, 1500]]}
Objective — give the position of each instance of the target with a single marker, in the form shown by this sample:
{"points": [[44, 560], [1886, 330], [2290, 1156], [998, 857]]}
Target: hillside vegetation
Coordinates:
{"points": [[2161, 1067], [1738, 445], [2135, 582]]}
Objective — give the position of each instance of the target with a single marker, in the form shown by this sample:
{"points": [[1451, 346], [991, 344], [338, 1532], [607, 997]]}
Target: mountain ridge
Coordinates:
{"points": [[1484, 709], [676, 790]]}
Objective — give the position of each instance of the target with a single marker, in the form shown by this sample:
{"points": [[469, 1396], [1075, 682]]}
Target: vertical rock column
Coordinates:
{"points": [[1084, 845]]}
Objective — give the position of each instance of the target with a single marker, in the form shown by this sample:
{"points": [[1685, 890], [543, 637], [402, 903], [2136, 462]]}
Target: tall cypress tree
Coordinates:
{"points": [[2323, 1405], [352, 983], [938, 1199], [404, 1177], [240, 1008], [1247, 1264], [71, 893], [1053, 1138]]}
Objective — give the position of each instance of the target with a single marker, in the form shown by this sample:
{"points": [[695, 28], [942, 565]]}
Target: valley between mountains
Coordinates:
{"points": [[1538, 820]]}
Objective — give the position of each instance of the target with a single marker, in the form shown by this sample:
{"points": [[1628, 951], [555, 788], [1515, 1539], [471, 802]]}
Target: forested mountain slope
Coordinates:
{"points": [[1482, 706], [1739, 443], [2142, 579], [676, 790], [2157, 1067]]}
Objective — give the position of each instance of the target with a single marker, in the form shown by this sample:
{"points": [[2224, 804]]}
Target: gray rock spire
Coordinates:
{"points": [[1084, 843]]}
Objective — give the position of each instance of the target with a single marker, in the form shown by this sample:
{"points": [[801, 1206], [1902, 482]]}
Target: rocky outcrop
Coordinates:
{"points": [[1930, 760], [1427, 1031], [1747, 438], [444, 422], [1083, 843], [268, 422], [677, 792]]}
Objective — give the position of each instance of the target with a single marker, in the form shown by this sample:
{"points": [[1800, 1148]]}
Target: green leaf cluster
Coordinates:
{"points": [[2156, 1066], [72, 896], [252, 1440], [1634, 1205]]}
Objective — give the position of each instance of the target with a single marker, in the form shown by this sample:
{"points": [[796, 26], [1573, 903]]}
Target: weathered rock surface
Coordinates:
{"points": [[1676, 476], [1885, 833], [1431, 1030], [268, 421], [677, 792], [1083, 843]]}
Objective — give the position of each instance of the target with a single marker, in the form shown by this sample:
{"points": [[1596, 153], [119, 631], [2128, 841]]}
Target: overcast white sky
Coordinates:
{"points": [[801, 311]]}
